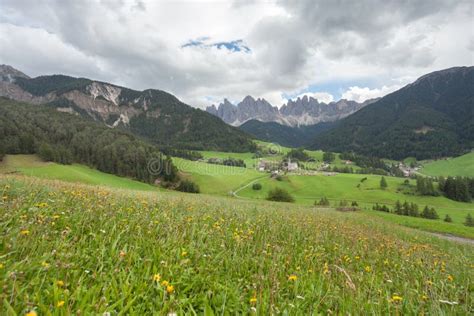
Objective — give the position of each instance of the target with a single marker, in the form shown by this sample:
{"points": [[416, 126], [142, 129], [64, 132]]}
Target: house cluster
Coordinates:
{"points": [[275, 166], [407, 170]]}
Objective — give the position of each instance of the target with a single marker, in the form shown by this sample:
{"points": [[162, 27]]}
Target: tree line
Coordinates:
{"points": [[65, 138], [454, 188]]}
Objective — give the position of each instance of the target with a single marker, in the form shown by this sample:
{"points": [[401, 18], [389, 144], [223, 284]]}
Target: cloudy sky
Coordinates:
{"points": [[204, 51]]}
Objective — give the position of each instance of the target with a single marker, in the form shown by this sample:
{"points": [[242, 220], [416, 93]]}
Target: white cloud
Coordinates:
{"points": [[294, 45], [362, 94]]}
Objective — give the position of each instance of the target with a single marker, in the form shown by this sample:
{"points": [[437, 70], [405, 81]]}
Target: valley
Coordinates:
{"points": [[174, 210]]}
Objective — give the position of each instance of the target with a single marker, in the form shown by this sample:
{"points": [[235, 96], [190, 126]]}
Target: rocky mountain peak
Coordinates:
{"points": [[304, 110], [8, 73]]}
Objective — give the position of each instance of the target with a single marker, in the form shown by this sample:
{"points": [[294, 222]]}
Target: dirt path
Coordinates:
{"points": [[246, 185], [457, 239]]}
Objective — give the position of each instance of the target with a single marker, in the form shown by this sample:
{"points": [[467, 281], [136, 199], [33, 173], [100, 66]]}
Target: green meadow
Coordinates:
{"points": [[31, 165], [69, 248], [458, 166], [237, 182]]}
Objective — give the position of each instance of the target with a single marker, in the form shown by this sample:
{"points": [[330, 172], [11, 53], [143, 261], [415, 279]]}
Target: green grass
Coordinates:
{"points": [[307, 189], [31, 165], [459, 166], [216, 179], [72, 249], [246, 157]]}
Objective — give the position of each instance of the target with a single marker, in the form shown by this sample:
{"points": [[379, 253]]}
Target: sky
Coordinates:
{"points": [[205, 51]]}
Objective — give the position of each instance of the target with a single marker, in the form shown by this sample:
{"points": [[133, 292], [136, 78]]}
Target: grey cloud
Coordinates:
{"points": [[112, 41]]}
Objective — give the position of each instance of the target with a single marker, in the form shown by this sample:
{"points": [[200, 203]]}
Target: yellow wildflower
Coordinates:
{"points": [[326, 268], [60, 304], [44, 264], [396, 298], [165, 283], [31, 313], [60, 283], [450, 278], [25, 232], [156, 277], [292, 277], [368, 269], [184, 253], [253, 300], [170, 289]]}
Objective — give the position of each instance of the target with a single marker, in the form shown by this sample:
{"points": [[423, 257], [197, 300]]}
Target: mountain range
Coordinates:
{"points": [[302, 111], [152, 114], [429, 118]]}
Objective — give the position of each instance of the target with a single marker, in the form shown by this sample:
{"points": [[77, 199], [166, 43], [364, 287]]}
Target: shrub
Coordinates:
{"points": [[257, 186], [344, 206], [383, 183], [280, 195], [322, 202], [188, 186], [448, 219], [279, 178], [469, 221], [429, 213]]}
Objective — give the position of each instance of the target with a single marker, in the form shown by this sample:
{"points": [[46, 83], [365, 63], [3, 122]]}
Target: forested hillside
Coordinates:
{"points": [[285, 135], [66, 138], [154, 114], [432, 117]]}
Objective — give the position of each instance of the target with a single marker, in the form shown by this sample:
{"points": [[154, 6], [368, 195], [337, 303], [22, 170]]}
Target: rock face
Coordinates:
{"points": [[302, 111]]}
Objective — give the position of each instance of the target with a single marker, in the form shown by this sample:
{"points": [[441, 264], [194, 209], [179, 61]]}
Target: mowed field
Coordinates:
{"points": [[216, 179], [459, 166], [75, 249], [31, 165]]}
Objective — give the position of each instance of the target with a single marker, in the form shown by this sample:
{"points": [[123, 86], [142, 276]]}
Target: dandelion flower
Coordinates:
{"points": [[170, 289], [450, 278], [368, 269], [165, 283], [25, 232], [253, 300], [31, 313], [156, 277], [396, 298], [60, 304], [60, 283], [292, 277]]}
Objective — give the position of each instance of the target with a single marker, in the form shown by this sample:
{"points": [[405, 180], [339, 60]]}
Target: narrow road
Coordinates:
{"points": [[246, 185]]}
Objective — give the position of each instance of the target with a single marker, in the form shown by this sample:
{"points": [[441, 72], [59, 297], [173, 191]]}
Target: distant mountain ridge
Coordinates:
{"points": [[289, 136], [430, 118], [302, 111], [153, 114]]}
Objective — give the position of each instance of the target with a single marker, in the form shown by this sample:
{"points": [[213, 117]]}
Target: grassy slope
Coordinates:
{"points": [[218, 254], [216, 179], [459, 166], [307, 189], [31, 165]]}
